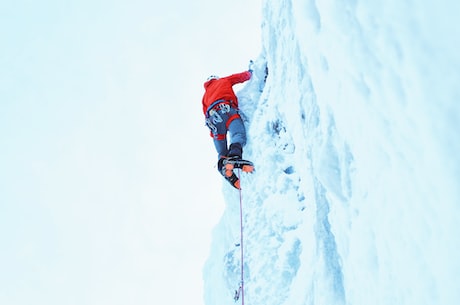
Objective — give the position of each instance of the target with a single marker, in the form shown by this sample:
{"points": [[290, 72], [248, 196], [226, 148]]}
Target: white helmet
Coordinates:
{"points": [[212, 77]]}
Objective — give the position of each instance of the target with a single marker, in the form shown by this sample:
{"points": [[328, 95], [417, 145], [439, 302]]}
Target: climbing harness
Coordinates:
{"points": [[219, 116]]}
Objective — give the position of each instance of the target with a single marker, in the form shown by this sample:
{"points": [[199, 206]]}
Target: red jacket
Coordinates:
{"points": [[222, 88]]}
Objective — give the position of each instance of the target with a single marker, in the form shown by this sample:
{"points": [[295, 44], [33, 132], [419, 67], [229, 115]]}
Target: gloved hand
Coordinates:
{"points": [[251, 65]]}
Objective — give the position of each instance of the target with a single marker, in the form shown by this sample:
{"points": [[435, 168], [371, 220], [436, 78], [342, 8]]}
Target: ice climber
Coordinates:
{"points": [[220, 107]]}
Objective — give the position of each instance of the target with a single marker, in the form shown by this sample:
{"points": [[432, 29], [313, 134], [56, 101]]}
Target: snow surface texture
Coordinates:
{"points": [[354, 135]]}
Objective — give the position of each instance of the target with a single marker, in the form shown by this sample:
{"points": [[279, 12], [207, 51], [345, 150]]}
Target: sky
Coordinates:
{"points": [[108, 191], [355, 195]]}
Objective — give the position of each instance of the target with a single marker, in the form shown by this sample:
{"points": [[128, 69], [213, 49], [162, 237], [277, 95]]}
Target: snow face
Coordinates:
{"points": [[354, 135]]}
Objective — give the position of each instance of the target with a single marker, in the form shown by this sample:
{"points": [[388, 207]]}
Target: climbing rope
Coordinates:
{"points": [[240, 292]]}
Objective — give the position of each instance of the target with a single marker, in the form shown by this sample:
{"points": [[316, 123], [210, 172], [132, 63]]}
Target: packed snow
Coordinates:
{"points": [[354, 135]]}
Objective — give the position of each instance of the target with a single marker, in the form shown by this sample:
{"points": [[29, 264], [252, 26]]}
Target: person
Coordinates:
{"points": [[220, 107]]}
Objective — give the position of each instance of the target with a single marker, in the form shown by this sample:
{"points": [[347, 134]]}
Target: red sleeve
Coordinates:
{"points": [[239, 77]]}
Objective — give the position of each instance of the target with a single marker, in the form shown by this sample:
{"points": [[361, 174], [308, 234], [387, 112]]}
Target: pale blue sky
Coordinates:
{"points": [[108, 193]]}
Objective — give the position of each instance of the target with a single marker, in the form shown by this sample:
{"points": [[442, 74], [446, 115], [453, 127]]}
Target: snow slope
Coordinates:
{"points": [[356, 195]]}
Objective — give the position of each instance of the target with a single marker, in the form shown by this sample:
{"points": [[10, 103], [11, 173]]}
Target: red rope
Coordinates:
{"points": [[241, 243]]}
